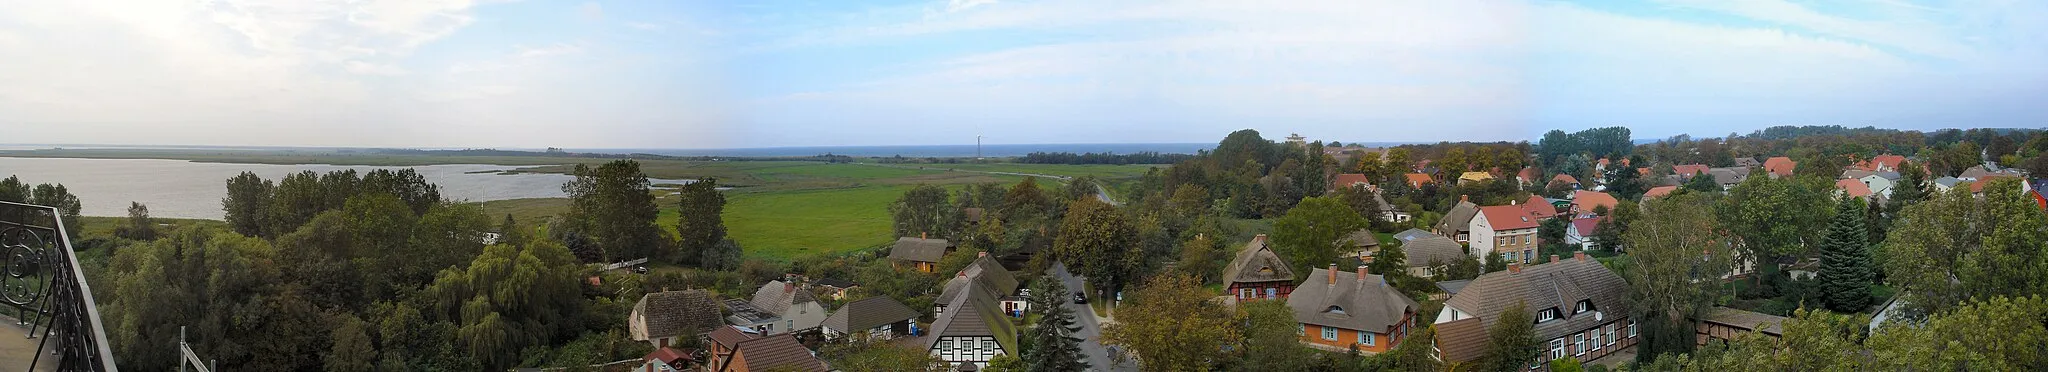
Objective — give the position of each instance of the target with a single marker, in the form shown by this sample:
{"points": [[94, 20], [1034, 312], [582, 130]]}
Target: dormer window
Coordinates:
{"points": [[1546, 315], [1334, 310], [1584, 306], [1265, 270]]}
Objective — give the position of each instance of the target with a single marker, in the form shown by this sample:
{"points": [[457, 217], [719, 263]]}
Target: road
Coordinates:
{"points": [[1091, 327]]}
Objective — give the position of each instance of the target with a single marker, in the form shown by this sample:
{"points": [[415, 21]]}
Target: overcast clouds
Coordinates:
{"points": [[455, 73]]}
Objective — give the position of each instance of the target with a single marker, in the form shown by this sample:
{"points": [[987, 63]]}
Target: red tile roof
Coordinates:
{"points": [[1509, 217], [1584, 201], [1881, 163], [1588, 226], [1539, 207], [1688, 169], [1978, 185], [666, 356], [1528, 174], [1347, 179], [1780, 165], [1417, 179], [1660, 191], [1856, 188], [1566, 178]]}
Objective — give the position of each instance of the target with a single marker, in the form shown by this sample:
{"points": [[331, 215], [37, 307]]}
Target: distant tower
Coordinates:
{"points": [[977, 147], [1296, 138]]}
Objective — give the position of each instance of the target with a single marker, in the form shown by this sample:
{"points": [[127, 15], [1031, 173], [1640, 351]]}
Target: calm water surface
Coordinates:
{"points": [[184, 189]]}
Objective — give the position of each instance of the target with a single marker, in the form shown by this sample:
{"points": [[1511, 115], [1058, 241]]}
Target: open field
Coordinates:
{"points": [[777, 210]]}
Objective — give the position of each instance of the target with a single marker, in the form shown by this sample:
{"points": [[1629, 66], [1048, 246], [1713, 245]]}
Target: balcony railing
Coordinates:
{"points": [[41, 282]]}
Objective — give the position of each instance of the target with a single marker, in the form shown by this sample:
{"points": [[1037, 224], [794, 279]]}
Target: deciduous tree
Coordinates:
{"points": [[1171, 325], [613, 203], [1511, 340], [1676, 259], [1098, 242], [1313, 233]]}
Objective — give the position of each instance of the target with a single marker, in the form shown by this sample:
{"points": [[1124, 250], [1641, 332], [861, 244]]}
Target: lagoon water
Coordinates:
{"points": [[184, 189]]}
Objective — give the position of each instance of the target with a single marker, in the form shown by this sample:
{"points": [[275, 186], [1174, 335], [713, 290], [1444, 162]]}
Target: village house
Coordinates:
{"points": [[781, 306], [1416, 180], [1528, 176], [1655, 192], [1780, 166], [1945, 183], [1362, 243], [1508, 229], [835, 288], [1457, 222], [1337, 312], [1584, 202], [735, 350], [1349, 180], [1688, 171], [1388, 211], [672, 318], [921, 253], [1727, 178], [1431, 255], [1475, 177], [1412, 234], [1725, 324], [989, 276], [1566, 180], [877, 318], [970, 327], [1581, 230], [1879, 182], [666, 360], [1880, 163], [1979, 172], [1581, 310], [1851, 188], [1258, 273]]}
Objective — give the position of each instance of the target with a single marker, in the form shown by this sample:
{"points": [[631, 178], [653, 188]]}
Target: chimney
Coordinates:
{"points": [[1553, 258], [788, 287], [962, 273], [981, 254], [1579, 255], [1362, 271], [923, 235], [1463, 198], [1514, 267], [1333, 273]]}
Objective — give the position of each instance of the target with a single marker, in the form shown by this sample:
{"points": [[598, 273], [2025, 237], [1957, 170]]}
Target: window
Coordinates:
{"points": [[1557, 349], [1578, 344], [1300, 330], [1584, 306], [1511, 256], [1528, 254], [1610, 335], [1594, 335], [1368, 338], [1631, 328], [1546, 315], [1272, 293], [1329, 333], [1246, 293]]}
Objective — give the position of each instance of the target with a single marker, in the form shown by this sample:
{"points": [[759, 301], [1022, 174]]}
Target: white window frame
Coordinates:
{"points": [[1368, 338], [1578, 344], [1631, 328], [1329, 333], [1595, 338], [1545, 315], [1557, 349], [1610, 334], [1300, 329], [1247, 293]]}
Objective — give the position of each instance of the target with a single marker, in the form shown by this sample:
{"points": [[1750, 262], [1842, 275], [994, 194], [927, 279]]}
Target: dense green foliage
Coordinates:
{"points": [[1313, 234], [1675, 263], [1845, 272], [611, 204], [1511, 342], [1053, 345], [1170, 324], [1957, 247]]}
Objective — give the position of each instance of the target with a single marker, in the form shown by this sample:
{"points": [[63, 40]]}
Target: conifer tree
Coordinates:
{"points": [[1053, 345], [1845, 270]]}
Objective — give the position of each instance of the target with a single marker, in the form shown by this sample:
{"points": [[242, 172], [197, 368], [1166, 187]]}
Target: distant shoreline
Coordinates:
{"points": [[940, 151]]}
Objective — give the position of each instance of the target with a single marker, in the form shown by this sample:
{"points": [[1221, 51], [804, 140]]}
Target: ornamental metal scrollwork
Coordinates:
{"points": [[23, 279]]}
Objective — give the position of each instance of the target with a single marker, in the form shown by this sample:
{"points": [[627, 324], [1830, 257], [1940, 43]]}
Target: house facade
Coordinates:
{"points": [[972, 329], [1508, 229], [1579, 306], [1457, 222], [1337, 310], [672, 318], [778, 307], [1430, 255], [920, 253], [1258, 273]]}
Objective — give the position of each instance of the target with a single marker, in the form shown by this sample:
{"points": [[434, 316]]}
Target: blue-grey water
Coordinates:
{"points": [[184, 189]]}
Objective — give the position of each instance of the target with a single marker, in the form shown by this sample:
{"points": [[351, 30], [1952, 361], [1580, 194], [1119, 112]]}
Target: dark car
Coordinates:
{"points": [[1080, 298]]}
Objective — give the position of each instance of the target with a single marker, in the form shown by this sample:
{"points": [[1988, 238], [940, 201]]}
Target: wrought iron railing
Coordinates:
{"points": [[41, 281]]}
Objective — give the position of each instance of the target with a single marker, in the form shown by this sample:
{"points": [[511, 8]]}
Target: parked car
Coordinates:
{"points": [[1080, 298], [640, 269]]}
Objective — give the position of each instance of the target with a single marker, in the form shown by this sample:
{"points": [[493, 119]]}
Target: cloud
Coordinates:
{"points": [[590, 11]]}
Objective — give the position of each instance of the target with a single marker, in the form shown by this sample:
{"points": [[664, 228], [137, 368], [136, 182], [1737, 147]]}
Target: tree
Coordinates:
{"points": [[726, 255], [1998, 334], [1005, 363], [1958, 247], [882, 356], [614, 204], [1053, 345], [1362, 201], [1025, 202], [56, 196], [1703, 183], [1910, 188], [1775, 217], [925, 210], [1675, 263], [1391, 261], [1270, 342], [700, 224], [352, 350], [1313, 233], [1625, 182], [247, 204], [1511, 341], [1098, 242], [1845, 272], [1201, 258], [139, 226], [1550, 236], [1171, 325]]}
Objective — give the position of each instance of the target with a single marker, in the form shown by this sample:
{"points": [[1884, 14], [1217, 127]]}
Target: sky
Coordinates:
{"points": [[729, 74]]}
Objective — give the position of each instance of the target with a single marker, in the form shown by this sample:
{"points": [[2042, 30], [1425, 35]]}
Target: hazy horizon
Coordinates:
{"points": [[720, 75]]}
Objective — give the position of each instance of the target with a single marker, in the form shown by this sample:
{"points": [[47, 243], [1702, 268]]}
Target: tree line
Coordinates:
{"points": [[1145, 157]]}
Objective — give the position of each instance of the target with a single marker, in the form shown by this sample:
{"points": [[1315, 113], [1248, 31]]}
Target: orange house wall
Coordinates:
{"points": [[1383, 342]]}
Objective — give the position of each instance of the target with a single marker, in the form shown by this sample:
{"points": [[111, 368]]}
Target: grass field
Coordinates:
{"points": [[777, 210]]}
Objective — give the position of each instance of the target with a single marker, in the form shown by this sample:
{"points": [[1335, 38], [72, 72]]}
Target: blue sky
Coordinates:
{"points": [[698, 74]]}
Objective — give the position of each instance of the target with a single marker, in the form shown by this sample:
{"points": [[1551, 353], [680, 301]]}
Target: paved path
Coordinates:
{"points": [[1091, 326], [17, 350]]}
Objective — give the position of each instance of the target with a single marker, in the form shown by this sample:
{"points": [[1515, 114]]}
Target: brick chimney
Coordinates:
{"points": [[1463, 198], [1579, 255], [1514, 267], [923, 235], [981, 254], [1553, 258], [1333, 273]]}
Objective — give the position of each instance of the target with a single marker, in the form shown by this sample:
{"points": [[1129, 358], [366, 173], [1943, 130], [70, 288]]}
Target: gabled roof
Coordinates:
{"points": [[1559, 285], [729, 336], [1766, 323], [918, 249], [1349, 302], [1349, 179], [1539, 207], [1458, 219], [983, 274], [777, 297], [778, 352], [1947, 181], [1853, 188], [1728, 176], [1657, 192], [1363, 238], [1475, 176], [836, 283], [1418, 178], [1587, 226], [1746, 162], [1586, 201], [1412, 234], [1528, 174], [1881, 163], [1779, 165], [1978, 185], [674, 313], [1257, 263], [1509, 217], [667, 356], [1860, 174], [1688, 169], [1566, 178], [974, 312], [1422, 251], [867, 314]]}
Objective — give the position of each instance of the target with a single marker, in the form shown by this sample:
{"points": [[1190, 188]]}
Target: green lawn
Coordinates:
{"points": [[1097, 170], [788, 224]]}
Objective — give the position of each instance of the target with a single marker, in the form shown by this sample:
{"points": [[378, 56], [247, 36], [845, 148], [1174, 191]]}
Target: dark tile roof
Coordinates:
{"points": [[1559, 285], [972, 214], [1349, 302], [1766, 323], [867, 314], [1452, 287], [675, 313], [984, 273], [778, 352], [1432, 247], [1257, 263], [729, 336], [777, 297], [1461, 340], [918, 249], [1363, 238]]}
